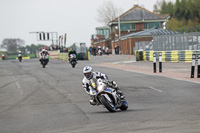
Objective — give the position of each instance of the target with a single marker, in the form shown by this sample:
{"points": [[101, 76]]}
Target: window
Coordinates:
{"points": [[106, 33], [100, 32], [151, 25], [145, 26], [132, 27], [124, 27], [154, 24]]}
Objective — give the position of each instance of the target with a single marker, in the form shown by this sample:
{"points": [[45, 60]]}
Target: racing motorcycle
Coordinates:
{"points": [[20, 57], [107, 96], [100, 52], [3, 57], [72, 60], [44, 60]]}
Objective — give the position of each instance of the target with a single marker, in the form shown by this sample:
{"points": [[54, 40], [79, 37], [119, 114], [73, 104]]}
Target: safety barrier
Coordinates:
{"points": [[23, 58], [80, 56], [63, 56], [172, 56], [88, 55]]}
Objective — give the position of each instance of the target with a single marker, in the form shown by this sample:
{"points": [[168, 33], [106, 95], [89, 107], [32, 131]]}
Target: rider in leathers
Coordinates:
{"points": [[89, 74], [72, 52], [44, 52]]}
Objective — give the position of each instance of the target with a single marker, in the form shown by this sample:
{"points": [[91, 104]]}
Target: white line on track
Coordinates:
{"points": [[154, 89], [121, 62], [18, 86]]}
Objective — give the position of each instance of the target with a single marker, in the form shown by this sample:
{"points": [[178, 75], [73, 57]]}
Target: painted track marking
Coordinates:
{"points": [[155, 89]]}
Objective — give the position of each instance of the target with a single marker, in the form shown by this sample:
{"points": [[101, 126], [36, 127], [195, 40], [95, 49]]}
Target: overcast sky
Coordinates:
{"points": [[77, 18]]}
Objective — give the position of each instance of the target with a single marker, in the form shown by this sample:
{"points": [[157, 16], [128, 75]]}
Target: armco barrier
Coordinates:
{"points": [[163, 56], [144, 55], [23, 58], [188, 56], [172, 56], [151, 55], [63, 56], [88, 55]]}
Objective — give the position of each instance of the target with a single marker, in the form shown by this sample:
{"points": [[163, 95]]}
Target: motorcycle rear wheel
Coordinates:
{"points": [[124, 105]]}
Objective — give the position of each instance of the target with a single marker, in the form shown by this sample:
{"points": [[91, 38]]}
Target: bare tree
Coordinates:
{"points": [[157, 6], [107, 12], [12, 44]]}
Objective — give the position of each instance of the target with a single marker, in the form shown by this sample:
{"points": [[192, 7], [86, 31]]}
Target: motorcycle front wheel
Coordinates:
{"points": [[108, 104], [43, 64], [73, 64]]}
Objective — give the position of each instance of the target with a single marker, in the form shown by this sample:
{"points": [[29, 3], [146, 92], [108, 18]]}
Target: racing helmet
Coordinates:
{"points": [[43, 50], [87, 71]]}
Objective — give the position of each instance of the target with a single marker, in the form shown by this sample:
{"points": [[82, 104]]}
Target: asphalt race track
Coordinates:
{"points": [[51, 100]]}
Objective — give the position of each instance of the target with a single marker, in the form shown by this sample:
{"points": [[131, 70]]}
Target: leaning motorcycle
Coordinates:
{"points": [[107, 96], [19, 57], [72, 59], [44, 60]]}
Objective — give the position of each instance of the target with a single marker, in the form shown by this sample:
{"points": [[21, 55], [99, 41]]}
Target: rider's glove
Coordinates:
{"points": [[105, 81]]}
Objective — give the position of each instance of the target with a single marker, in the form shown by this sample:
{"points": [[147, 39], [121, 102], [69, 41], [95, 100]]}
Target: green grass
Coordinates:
{"points": [[14, 56]]}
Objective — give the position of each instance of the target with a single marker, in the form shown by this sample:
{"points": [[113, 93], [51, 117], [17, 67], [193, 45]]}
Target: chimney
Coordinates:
{"points": [[135, 3]]}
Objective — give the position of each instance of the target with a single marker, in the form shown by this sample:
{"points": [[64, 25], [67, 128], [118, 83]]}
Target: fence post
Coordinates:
{"points": [[193, 65], [160, 62], [154, 62], [198, 67]]}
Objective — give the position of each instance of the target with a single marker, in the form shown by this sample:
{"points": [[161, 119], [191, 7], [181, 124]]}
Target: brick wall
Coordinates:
{"points": [[139, 27], [126, 46]]}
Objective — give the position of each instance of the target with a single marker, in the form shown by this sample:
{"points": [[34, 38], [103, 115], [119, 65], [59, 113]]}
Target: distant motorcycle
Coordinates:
{"points": [[107, 96], [100, 52], [3, 57], [72, 60], [20, 57], [44, 60]]}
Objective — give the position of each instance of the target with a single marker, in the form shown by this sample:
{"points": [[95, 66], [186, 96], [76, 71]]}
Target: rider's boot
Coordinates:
{"points": [[121, 94], [113, 84], [92, 101]]}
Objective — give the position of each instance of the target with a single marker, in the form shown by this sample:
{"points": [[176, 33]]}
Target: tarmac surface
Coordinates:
{"points": [[52, 100], [174, 70]]}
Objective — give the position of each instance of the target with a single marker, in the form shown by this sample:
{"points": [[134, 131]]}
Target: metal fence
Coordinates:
{"points": [[186, 41], [79, 47], [81, 50], [168, 42], [142, 46]]}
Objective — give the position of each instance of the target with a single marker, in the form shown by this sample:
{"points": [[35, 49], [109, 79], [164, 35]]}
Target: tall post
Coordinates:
{"points": [[154, 62], [52, 38], [193, 66], [160, 62], [65, 39], [198, 67], [119, 26]]}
